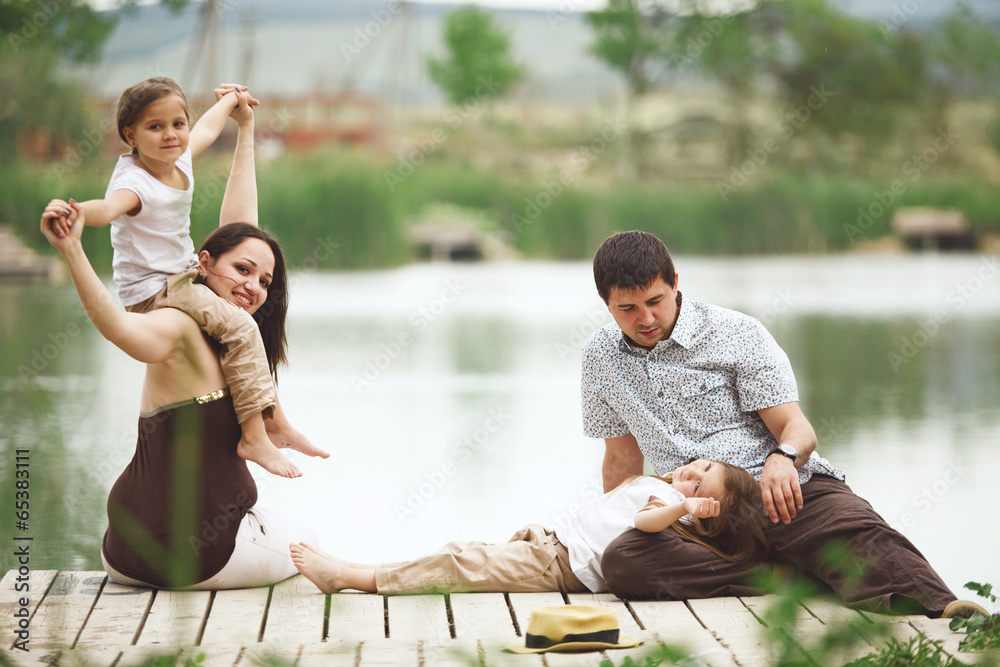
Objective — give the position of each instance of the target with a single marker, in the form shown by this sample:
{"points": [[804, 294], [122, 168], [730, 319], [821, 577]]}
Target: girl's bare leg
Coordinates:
{"points": [[340, 561], [327, 575], [283, 434]]}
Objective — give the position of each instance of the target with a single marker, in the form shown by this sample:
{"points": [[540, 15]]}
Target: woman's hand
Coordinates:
{"points": [[62, 223], [227, 88], [242, 113], [702, 508]]}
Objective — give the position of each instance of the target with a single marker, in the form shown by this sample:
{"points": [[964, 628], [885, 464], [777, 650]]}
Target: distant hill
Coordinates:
{"points": [[297, 46]]}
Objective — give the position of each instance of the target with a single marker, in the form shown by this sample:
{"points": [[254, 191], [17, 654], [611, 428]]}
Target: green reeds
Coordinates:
{"points": [[347, 210]]}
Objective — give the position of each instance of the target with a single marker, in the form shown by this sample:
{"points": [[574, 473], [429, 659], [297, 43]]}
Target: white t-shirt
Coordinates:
{"points": [[589, 532], [156, 243]]}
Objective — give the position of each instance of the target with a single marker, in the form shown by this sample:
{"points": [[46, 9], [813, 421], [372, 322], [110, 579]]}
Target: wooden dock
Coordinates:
{"points": [[80, 618]]}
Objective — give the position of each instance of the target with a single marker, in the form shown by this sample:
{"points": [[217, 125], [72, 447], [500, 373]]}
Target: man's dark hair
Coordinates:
{"points": [[630, 261]]}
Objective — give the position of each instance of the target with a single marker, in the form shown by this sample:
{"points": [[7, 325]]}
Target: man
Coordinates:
{"points": [[670, 380]]}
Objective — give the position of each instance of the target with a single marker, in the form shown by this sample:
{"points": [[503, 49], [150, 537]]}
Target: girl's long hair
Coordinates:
{"points": [[740, 530], [270, 317]]}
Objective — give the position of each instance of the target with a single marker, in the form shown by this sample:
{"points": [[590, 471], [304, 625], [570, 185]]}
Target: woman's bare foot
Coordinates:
{"points": [[337, 561], [267, 456], [327, 576], [283, 435]]}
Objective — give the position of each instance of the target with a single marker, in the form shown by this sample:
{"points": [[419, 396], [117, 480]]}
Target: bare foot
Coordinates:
{"points": [[285, 436], [337, 561], [267, 456], [326, 575]]}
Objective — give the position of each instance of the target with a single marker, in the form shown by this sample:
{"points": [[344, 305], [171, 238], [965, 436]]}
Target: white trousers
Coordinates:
{"points": [[261, 556]]}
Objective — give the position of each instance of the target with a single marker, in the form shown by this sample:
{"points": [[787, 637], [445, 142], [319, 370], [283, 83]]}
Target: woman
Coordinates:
{"points": [[182, 513]]}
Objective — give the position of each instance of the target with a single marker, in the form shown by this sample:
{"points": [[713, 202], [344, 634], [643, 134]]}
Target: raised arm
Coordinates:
{"points": [[149, 338], [208, 128], [239, 204]]}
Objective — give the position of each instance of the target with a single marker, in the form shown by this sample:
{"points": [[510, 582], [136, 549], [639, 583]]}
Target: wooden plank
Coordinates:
{"points": [[650, 647], [31, 658], [937, 629], [175, 618], [213, 655], [295, 614], [735, 627], [884, 626], [833, 612], [356, 616], [806, 630], [480, 615], [586, 659], [617, 656], [834, 615], [674, 624], [419, 616], [451, 652], [626, 622], [271, 655], [390, 652], [61, 615], [137, 655], [495, 655], [92, 657], [334, 653], [32, 590], [522, 604], [236, 617], [116, 618]]}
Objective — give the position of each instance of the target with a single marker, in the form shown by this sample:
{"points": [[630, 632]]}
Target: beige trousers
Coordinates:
{"points": [[532, 561], [243, 359]]}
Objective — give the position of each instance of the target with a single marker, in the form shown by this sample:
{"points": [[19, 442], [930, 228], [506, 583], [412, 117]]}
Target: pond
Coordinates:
{"points": [[448, 396]]}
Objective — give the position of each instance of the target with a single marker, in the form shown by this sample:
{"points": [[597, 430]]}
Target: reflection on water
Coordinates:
{"points": [[449, 398]]}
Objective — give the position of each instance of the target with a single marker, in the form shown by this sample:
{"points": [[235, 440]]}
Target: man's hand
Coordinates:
{"points": [[779, 485]]}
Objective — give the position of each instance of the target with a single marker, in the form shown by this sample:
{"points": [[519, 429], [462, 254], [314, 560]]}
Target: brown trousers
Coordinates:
{"points": [[885, 572], [243, 359]]}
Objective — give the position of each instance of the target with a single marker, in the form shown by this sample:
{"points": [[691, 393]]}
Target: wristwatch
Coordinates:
{"points": [[786, 450]]}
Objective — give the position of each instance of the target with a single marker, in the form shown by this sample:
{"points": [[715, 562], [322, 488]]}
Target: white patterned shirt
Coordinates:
{"points": [[695, 394]]}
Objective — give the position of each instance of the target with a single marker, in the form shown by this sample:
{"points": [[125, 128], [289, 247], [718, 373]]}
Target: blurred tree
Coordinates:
{"points": [[479, 65], [38, 107], [36, 103], [734, 49], [636, 38], [841, 76], [963, 60]]}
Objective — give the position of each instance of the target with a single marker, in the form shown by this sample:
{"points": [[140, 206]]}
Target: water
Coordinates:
{"points": [[449, 398]]}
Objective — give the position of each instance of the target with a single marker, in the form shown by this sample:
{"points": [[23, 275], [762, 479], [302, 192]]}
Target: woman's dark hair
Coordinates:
{"points": [[270, 317], [629, 261], [136, 98]]}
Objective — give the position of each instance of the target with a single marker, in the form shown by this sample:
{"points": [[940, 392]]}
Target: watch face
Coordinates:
{"points": [[788, 450]]}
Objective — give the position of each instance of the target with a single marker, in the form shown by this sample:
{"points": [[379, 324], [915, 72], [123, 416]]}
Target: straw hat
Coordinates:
{"points": [[572, 627]]}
